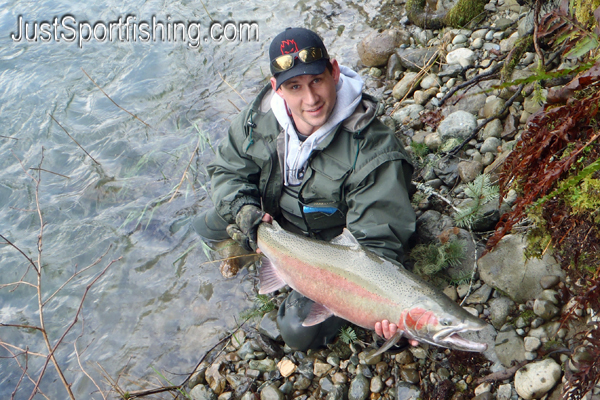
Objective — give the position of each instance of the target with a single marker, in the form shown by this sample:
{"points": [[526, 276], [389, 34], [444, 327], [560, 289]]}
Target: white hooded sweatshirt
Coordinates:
{"points": [[349, 94]]}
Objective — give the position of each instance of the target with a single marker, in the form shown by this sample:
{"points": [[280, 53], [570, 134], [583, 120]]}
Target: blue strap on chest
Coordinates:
{"points": [[324, 210]]}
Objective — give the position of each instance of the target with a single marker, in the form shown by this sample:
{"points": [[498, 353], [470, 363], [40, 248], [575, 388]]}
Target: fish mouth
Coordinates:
{"points": [[452, 339]]}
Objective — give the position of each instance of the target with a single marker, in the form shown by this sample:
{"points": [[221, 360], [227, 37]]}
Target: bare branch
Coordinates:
{"points": [[22, 326], [55, 173], [73, 139], [133, 115], [83, 369], [75, 274], [185, 172], [20, 251]]}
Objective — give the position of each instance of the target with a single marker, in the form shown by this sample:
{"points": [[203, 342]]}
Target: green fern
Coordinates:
{"points": [[347, 335], [481, 191]]}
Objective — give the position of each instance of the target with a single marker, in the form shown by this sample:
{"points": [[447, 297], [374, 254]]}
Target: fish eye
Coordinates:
{"points": [[445, 322]]}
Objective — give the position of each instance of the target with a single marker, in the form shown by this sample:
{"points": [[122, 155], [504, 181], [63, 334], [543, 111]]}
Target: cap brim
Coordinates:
{"points": [[313, 68]]}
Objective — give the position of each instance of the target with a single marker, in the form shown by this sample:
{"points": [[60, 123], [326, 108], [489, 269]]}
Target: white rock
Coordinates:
{"points": [[477, 43], [536, 379], [458, 39], [498, 35], [484, 387], [465, 57], [507, 44], [490, 145], [489, 35], [430, 81], [532, 343], [459, 124], [479, 34], [504, 392]]}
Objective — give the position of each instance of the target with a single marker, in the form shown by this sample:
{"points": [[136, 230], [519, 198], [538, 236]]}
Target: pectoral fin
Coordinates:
{"points": [[270, 280], [389, 343], [318, 313]]}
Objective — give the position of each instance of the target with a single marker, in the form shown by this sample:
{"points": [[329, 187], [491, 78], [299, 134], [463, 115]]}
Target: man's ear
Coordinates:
{"points": [[274, 86], [335, 72]]}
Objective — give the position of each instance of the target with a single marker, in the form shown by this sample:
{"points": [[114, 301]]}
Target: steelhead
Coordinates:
{"points": [[345, 279]]}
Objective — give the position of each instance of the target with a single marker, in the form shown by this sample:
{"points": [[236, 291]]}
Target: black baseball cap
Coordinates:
{"points": [[292, 40]]}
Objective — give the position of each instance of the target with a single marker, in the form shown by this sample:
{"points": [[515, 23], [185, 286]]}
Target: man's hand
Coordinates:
{"points": [[387, 330], [246, 225]]}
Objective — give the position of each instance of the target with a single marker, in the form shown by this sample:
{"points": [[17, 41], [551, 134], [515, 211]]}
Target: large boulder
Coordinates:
{"points": [[507, 269], [375, 49]]}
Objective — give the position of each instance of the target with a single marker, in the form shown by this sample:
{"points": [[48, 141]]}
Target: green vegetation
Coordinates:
{"points": [[348, 335], [433, 258], [481, 191], [262, 305]]}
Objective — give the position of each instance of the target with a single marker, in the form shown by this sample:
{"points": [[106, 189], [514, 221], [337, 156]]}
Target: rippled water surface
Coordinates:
{"points": [[161, 305]]}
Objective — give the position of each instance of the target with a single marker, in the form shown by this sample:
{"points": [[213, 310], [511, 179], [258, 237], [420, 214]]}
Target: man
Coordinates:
{"points": [[310, 153]]}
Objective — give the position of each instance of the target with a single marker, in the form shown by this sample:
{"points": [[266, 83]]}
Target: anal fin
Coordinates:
{"points": [[318, 313], [389, 343], [270, 280]]}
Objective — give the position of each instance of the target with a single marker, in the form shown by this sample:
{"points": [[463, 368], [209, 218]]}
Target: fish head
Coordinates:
{"points": [[441, 327]]}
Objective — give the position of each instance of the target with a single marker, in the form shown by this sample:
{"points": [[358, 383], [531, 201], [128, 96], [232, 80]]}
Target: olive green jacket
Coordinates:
{"points": [[362, 170]]}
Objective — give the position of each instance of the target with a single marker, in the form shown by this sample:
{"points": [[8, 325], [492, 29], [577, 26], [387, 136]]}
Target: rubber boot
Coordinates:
{"points": [[292, 312]]}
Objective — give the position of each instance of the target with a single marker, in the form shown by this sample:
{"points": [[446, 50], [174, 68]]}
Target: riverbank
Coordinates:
{"points": [[440, 90]]}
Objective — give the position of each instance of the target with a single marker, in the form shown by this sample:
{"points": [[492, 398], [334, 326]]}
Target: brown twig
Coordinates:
{"points": [[185, 172], [45, 170], [417, 79], [232, 88], [73, 139], [133, 115], [500, 375], [8, 137], [83, 369]]}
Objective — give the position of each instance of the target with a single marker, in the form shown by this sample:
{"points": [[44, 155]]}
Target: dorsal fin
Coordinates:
{"points": [[318, 313], [270, 280], [346, 238]]}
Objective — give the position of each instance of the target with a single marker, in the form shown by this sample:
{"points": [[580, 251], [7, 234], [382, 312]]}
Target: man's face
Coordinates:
{"points": [[311, 98]]}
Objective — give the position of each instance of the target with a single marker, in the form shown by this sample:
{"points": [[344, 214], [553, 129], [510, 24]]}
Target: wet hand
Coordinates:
{"points": [[246, 225], [387, 330], [268, 219]]}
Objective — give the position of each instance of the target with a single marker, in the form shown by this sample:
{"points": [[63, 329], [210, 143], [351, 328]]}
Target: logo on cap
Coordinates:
{"points": [[289, 46]]}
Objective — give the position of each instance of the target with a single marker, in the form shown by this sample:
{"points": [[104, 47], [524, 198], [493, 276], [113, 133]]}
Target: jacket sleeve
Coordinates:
{"points": [[234, 175], [379, 211]]}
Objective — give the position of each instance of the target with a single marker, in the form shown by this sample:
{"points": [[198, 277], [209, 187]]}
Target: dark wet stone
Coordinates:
{"points": [[431, 224], [271, 392], [302, 383], [393, 67], [306, 368], [406, 391], [268, 325], [409, 375], [202, 392], [287, 387], [549, 281], [359, 388], [326, 384], [448, 172], [450, 71], [339, 392], [269, 346]]}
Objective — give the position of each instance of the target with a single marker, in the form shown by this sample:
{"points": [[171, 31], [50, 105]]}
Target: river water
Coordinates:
{"points": [[160, 306]]}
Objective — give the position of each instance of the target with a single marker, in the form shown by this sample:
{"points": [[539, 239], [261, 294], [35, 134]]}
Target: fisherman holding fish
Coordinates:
{"points": [[310, 153]]}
